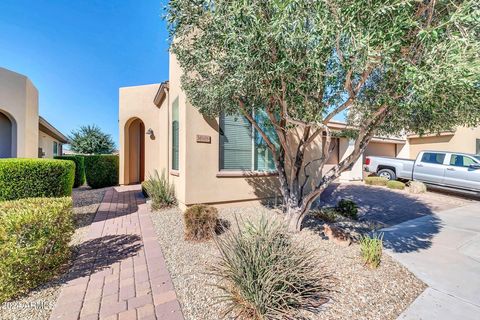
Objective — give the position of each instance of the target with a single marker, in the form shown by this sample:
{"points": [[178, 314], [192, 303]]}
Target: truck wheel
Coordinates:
{"points": [[387, 173]]}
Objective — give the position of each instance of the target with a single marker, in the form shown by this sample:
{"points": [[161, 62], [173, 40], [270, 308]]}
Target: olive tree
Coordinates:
{"points": [[387, 66]]}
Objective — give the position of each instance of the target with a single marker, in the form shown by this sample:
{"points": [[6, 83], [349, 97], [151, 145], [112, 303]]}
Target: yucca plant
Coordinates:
{"points": [[159, 191], [371, 249], [268, 275]]}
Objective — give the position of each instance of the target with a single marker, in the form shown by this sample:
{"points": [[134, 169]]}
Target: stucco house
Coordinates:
{"points": [[208, 160], [463, 139], [23, 133]]}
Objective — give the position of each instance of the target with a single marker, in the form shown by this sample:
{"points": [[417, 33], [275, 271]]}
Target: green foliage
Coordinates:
{"points": [[329, 215], [267, 274], [347, 208], [79, 168], [200, 222], [91, 140], [101, 170], [34, 242], [376, 181], [29, 178], [417, 187], [389, 66], [159, 190], [394, 184], [371, 249]]}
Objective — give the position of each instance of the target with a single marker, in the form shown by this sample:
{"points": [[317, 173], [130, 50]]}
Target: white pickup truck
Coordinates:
{"points": [[444, 169]]}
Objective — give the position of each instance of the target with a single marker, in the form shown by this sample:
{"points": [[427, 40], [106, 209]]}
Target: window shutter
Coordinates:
{"points": [[235, 143], [175, 135]]}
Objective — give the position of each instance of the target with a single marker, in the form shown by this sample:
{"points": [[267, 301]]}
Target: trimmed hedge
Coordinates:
{"points": [[101, 170], [79, 168], [393, 184], [34, 242], [31, 178], [376, 181]]}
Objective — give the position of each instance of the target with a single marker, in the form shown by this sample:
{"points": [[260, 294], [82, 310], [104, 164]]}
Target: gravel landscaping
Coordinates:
{"points": [[359, 293], [38, 304]]}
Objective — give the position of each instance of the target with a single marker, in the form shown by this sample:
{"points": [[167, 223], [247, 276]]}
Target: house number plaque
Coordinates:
{"points": [[201, 138]]}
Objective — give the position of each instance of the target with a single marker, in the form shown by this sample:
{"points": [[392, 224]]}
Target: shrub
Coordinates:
{"points": [[348, 209], [266, 274], [200, 222], [159, 191], [376, 181], [30, 178], [79, 168], [326, 214], [34, 242], [417, 187], [371, 249], [101, 170], [393, 184]]}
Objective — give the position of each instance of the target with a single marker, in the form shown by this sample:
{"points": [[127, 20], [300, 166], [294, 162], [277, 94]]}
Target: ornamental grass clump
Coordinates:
{"points": [[266, 274], [371, 249], [200, 222], [160, 191]]}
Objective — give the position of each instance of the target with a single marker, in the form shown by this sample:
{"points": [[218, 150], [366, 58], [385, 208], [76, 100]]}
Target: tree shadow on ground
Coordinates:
{"points": [[100, 253]]}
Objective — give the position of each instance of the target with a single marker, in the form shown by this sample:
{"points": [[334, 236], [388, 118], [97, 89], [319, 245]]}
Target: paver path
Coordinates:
{"points": [[120, 272]]}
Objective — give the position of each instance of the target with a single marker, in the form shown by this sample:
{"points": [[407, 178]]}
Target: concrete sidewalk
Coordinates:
{"points": [[443, 250]]}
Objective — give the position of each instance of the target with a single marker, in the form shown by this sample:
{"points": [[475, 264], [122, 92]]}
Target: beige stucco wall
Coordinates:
{"points": [[19, 101], [463, 140], [45, 141], [137, 103]]}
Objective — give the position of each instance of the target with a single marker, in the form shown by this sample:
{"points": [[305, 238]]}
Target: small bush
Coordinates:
{"points": [[393, 184], [268, 275], [31, 178], [200, 222], [101, 170], [348, 209], [79, 168], [34, 242], [376, 181], [417, 187], [326, 214], [371, 249], [159, 191]]}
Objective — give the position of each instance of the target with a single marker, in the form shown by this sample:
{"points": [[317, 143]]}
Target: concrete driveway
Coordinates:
{"points": [[443, 250]]}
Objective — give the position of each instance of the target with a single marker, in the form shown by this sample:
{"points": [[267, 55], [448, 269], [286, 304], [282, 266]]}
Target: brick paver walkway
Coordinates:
{"points": [[120, 272]]}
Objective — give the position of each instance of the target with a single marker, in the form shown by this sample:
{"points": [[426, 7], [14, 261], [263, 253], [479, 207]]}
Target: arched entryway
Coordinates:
{"points": [[8, 141], [135, 151]]}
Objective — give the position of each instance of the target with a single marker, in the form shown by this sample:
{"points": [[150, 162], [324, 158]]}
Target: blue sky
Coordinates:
{"points": [[79, 53]]}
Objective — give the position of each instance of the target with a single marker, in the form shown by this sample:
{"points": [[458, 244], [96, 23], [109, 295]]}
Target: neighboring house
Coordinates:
{"points": [[23, 133], [466, 140], [208, 160]]}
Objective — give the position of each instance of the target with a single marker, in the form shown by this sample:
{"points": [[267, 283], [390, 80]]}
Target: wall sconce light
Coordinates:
{"points": [[149, 132]]}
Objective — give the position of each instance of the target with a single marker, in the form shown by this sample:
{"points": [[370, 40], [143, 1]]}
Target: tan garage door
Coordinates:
{"points": [[380, 149]]}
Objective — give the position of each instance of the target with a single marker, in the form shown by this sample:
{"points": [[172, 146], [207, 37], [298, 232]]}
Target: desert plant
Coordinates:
{"points": [[91, 139], [34, 242], [371, 249], [101, 170], [266, 274], [347, 208], [200, 222], [376, 181], [417, 187], [326, 214], [79, 168], [30, 178], [394, 184], [159, 190]]}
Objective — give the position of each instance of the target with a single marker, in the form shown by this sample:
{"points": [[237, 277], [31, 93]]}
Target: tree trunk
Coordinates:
{"points": [[294, 217]]}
